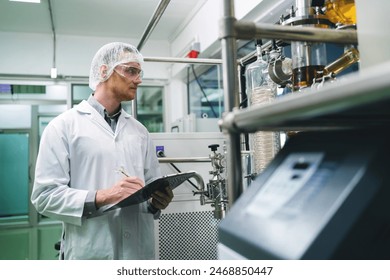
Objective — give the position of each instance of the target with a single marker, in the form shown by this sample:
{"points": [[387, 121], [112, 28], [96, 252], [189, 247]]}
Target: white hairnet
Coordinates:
{"points": [[111, 55]]}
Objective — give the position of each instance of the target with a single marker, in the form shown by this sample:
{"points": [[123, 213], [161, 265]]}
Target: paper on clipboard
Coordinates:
{"points": [[172, 180]]}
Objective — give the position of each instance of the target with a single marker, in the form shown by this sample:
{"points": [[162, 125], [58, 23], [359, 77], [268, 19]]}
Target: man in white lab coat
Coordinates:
{"points": [[80, 154]]}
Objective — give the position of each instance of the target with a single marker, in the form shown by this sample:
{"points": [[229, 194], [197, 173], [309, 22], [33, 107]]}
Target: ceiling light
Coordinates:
{"points": [[53, 73], [27, 1]]}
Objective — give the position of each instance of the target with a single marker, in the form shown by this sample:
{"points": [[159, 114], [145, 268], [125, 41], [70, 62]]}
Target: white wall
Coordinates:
{"points": [[25, 53], [32, 54], [204, 27]]}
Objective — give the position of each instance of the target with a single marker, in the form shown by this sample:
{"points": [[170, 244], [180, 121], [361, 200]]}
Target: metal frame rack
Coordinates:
{"points": [[360, 100]]}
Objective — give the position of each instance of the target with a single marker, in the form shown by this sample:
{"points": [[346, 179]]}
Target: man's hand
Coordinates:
{"points": [[161, 199], [122, 189]]}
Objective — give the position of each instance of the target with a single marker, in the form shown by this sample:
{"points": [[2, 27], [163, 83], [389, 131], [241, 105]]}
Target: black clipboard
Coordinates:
{"points": [[172, 180]]}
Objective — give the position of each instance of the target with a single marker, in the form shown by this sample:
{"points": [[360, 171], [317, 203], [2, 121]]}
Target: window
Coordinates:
{"points": [[79, 93], [205, 93], [14, 174], [150, 107]]}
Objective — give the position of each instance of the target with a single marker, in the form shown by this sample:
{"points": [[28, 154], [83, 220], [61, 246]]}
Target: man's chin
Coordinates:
{"points": [[130, 96]]}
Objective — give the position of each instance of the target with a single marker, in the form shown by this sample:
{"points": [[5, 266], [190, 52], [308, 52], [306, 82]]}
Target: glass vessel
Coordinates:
{"points": [[261, 90]]}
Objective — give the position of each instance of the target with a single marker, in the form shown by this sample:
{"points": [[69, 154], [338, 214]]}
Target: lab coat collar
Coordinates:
{"points": [[121, 122], [125, 114], [85, 108]]}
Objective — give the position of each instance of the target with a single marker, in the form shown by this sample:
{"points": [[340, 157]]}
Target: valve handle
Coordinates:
{"points": [[213, 147]]}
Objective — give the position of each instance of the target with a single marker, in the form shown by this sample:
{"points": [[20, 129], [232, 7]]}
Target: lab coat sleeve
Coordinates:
{"points": [[51, 195]]}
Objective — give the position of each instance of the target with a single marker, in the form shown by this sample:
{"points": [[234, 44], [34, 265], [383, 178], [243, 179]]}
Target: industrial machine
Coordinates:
{"points": [[188, 227], [273, 73], [308, 66], [324, 196], [216, 193]]}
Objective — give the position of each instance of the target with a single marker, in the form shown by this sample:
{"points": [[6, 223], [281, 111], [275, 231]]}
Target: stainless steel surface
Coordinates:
{"points": [[235, 122], [199, 180], [309, 20], [153, 22], [183, 159], [184, 60], [134, 107], [276, 71], [265, 47], [313, 110], [303, 8], [216, 187], [201, 187], [250, 30], [230, 84]]}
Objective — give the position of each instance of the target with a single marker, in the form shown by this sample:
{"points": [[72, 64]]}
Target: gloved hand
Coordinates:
{"points": [[161, 199]]}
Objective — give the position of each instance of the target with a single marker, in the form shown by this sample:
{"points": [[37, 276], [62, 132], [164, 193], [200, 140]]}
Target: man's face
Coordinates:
{"points": [[125, 80]]}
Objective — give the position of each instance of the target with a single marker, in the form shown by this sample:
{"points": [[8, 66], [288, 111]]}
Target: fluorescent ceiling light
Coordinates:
{"points": [[27, 1], [53, 73]]}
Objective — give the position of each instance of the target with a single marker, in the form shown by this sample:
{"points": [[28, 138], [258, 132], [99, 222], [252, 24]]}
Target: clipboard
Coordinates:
{"points": [[142, 195]]}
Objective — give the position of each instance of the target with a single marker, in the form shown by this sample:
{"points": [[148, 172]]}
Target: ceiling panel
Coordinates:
{"points": [[113, 18]]}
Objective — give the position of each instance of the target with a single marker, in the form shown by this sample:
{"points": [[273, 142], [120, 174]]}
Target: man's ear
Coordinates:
{"points": [[103, 72]]}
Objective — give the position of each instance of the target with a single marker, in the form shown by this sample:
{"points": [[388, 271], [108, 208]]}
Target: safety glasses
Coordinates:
{"points": [[129, 71]]}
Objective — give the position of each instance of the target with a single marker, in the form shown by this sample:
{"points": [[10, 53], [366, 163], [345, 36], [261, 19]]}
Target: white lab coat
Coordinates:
{"points": [[79, 152]]}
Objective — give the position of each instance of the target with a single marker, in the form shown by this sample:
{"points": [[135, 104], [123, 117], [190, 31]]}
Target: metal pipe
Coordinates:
{"points": [[244, 60], [250, 30], [303, 8], [153, 22], [201, 187], [230, 83], [134, 108], [54, 34], [191, 159], [291, 112], [183, 60]]}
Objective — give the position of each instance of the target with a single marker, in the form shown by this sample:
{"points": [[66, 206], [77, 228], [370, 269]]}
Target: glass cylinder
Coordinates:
{"points": [[348, 58], [261, 90], [308, 60]]}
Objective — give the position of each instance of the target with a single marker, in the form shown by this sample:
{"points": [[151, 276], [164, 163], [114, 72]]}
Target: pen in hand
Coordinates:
{"points": [[121, 170]]}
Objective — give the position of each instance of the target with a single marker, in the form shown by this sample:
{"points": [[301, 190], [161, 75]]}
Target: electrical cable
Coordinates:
{"points": [[162, 154], [244, 97], [244, 102], [188, 91]]}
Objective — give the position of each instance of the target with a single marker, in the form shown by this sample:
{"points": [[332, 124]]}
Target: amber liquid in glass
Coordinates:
{"points": [[350, 57], [341, 11], [303, 77]]}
